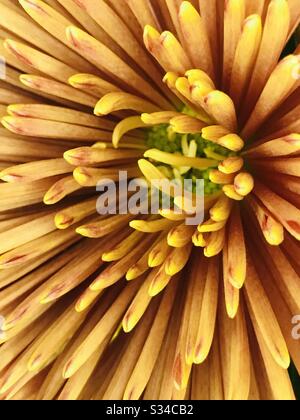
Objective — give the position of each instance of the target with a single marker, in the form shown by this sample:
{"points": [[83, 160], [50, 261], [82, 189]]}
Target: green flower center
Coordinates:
{"points": [[163, 138]]}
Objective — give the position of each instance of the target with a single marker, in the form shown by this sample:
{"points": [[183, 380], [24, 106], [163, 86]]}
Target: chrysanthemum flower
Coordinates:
{"points": [[126, 307]]}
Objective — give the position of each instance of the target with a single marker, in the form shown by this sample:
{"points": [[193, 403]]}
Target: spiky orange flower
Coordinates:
{"points": [[126, 307]]}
